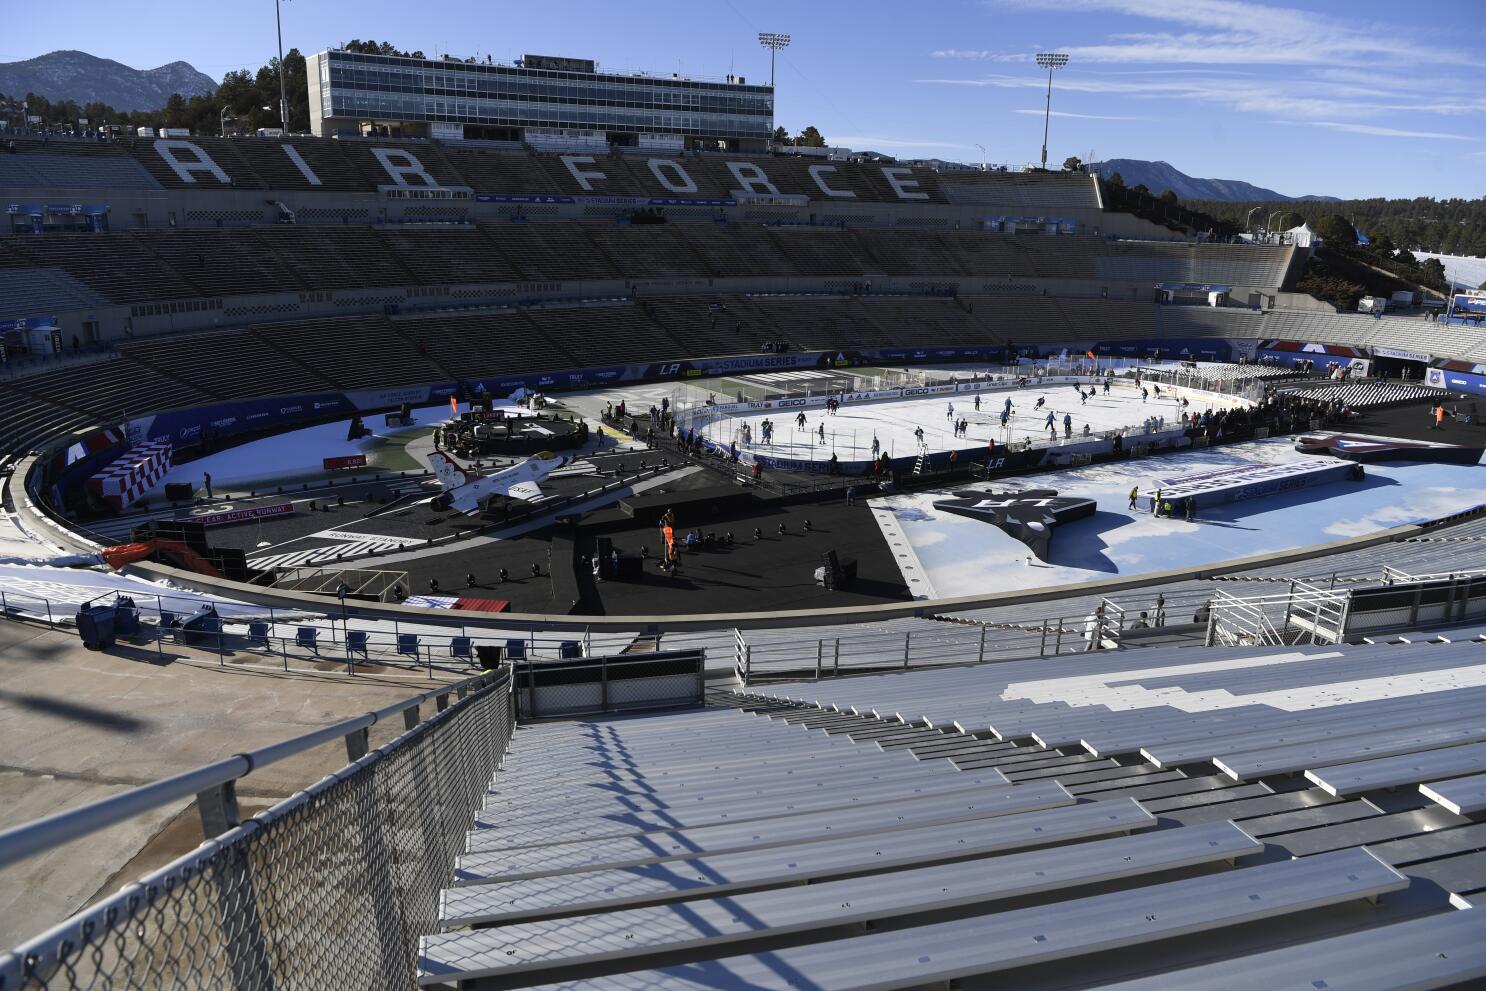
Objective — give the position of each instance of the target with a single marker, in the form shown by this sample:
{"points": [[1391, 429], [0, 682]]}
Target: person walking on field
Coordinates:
{"points": [[1134, 494]]}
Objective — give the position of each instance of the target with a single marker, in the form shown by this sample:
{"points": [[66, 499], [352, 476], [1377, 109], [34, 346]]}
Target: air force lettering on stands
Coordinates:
{"points": [[192, 164]]}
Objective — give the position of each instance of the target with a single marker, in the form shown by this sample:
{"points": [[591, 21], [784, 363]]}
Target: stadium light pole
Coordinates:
{"points": [[773, 41], [982, 155], [283, 87], [1049, 61]]}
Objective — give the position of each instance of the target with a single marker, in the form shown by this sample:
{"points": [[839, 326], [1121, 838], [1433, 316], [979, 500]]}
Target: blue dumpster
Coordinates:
{"points": [[95, 624]]}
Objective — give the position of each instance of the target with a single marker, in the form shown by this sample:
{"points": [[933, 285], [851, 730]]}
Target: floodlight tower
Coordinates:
{"points": [[773, 41], [1049, 61]]}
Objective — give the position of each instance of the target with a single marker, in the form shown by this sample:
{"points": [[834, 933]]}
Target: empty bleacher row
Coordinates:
{"points": [[129, 267], [1220, 264], [812, 847], [1038, 192], [57, 167], [354, 166]]}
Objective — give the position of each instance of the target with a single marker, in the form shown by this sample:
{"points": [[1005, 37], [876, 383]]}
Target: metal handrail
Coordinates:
{"points": [[44, 834]]}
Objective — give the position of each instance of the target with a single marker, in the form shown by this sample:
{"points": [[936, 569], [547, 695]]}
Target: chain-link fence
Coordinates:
{"points": [[328, 889]]}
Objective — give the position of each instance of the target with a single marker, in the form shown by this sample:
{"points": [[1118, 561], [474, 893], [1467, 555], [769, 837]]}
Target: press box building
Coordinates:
{"points": [[547, 102]]}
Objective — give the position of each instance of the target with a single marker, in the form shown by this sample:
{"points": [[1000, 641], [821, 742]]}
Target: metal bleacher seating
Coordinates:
{"points": [[34, 290], [1362, 394], [38, 170], [725, 850], [1463, 796], [1038, 192]]}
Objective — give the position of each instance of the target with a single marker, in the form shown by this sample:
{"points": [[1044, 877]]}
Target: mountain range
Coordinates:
{"points": [[1158, 176], [84, 78]]}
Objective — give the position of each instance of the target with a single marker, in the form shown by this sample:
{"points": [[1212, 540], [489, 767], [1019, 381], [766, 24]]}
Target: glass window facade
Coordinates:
{"points": [[383, 88]]}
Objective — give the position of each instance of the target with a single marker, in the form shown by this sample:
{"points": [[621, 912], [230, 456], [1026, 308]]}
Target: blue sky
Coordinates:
{"points": [[1343, 97]]}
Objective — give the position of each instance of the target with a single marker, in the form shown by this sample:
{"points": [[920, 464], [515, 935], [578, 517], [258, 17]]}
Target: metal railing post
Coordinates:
{"points": [[907, 634], [980, 656], [358, 742], [1042, 644], [820, 647], [836, 660]]}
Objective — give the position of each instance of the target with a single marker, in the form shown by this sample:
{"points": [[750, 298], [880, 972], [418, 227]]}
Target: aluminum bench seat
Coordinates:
{"points": [[1155, 720], [1405, 769], [1335, 723], [703, 877], [580, 766], [1437, 951], [1463, 796], [574, 804], [646, 932], [718, 777], [1117, 738], [764, 763], [621, 851], [1207, 726], [516, 832], [1357, 744], [925, 955], [519, 768]]}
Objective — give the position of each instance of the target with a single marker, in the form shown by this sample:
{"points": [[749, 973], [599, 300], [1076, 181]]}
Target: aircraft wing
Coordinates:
{"points": [[524, 490]]}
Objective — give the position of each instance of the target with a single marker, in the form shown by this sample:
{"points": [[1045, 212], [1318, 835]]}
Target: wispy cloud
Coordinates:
{"points": [[1379, 132], [1236, 31], [981, 55], [1064, 113], [1319, 99]]}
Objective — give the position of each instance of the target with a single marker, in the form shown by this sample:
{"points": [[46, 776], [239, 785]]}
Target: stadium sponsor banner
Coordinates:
{"points": [[1455, 381], [1404, 355], [928, 390], [239, 515], [520, 198], [940, 354], [344, 461], [185, 428]]}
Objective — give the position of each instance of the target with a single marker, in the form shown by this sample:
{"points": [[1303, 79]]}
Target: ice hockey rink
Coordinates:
{"points": [[893, 423]]}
